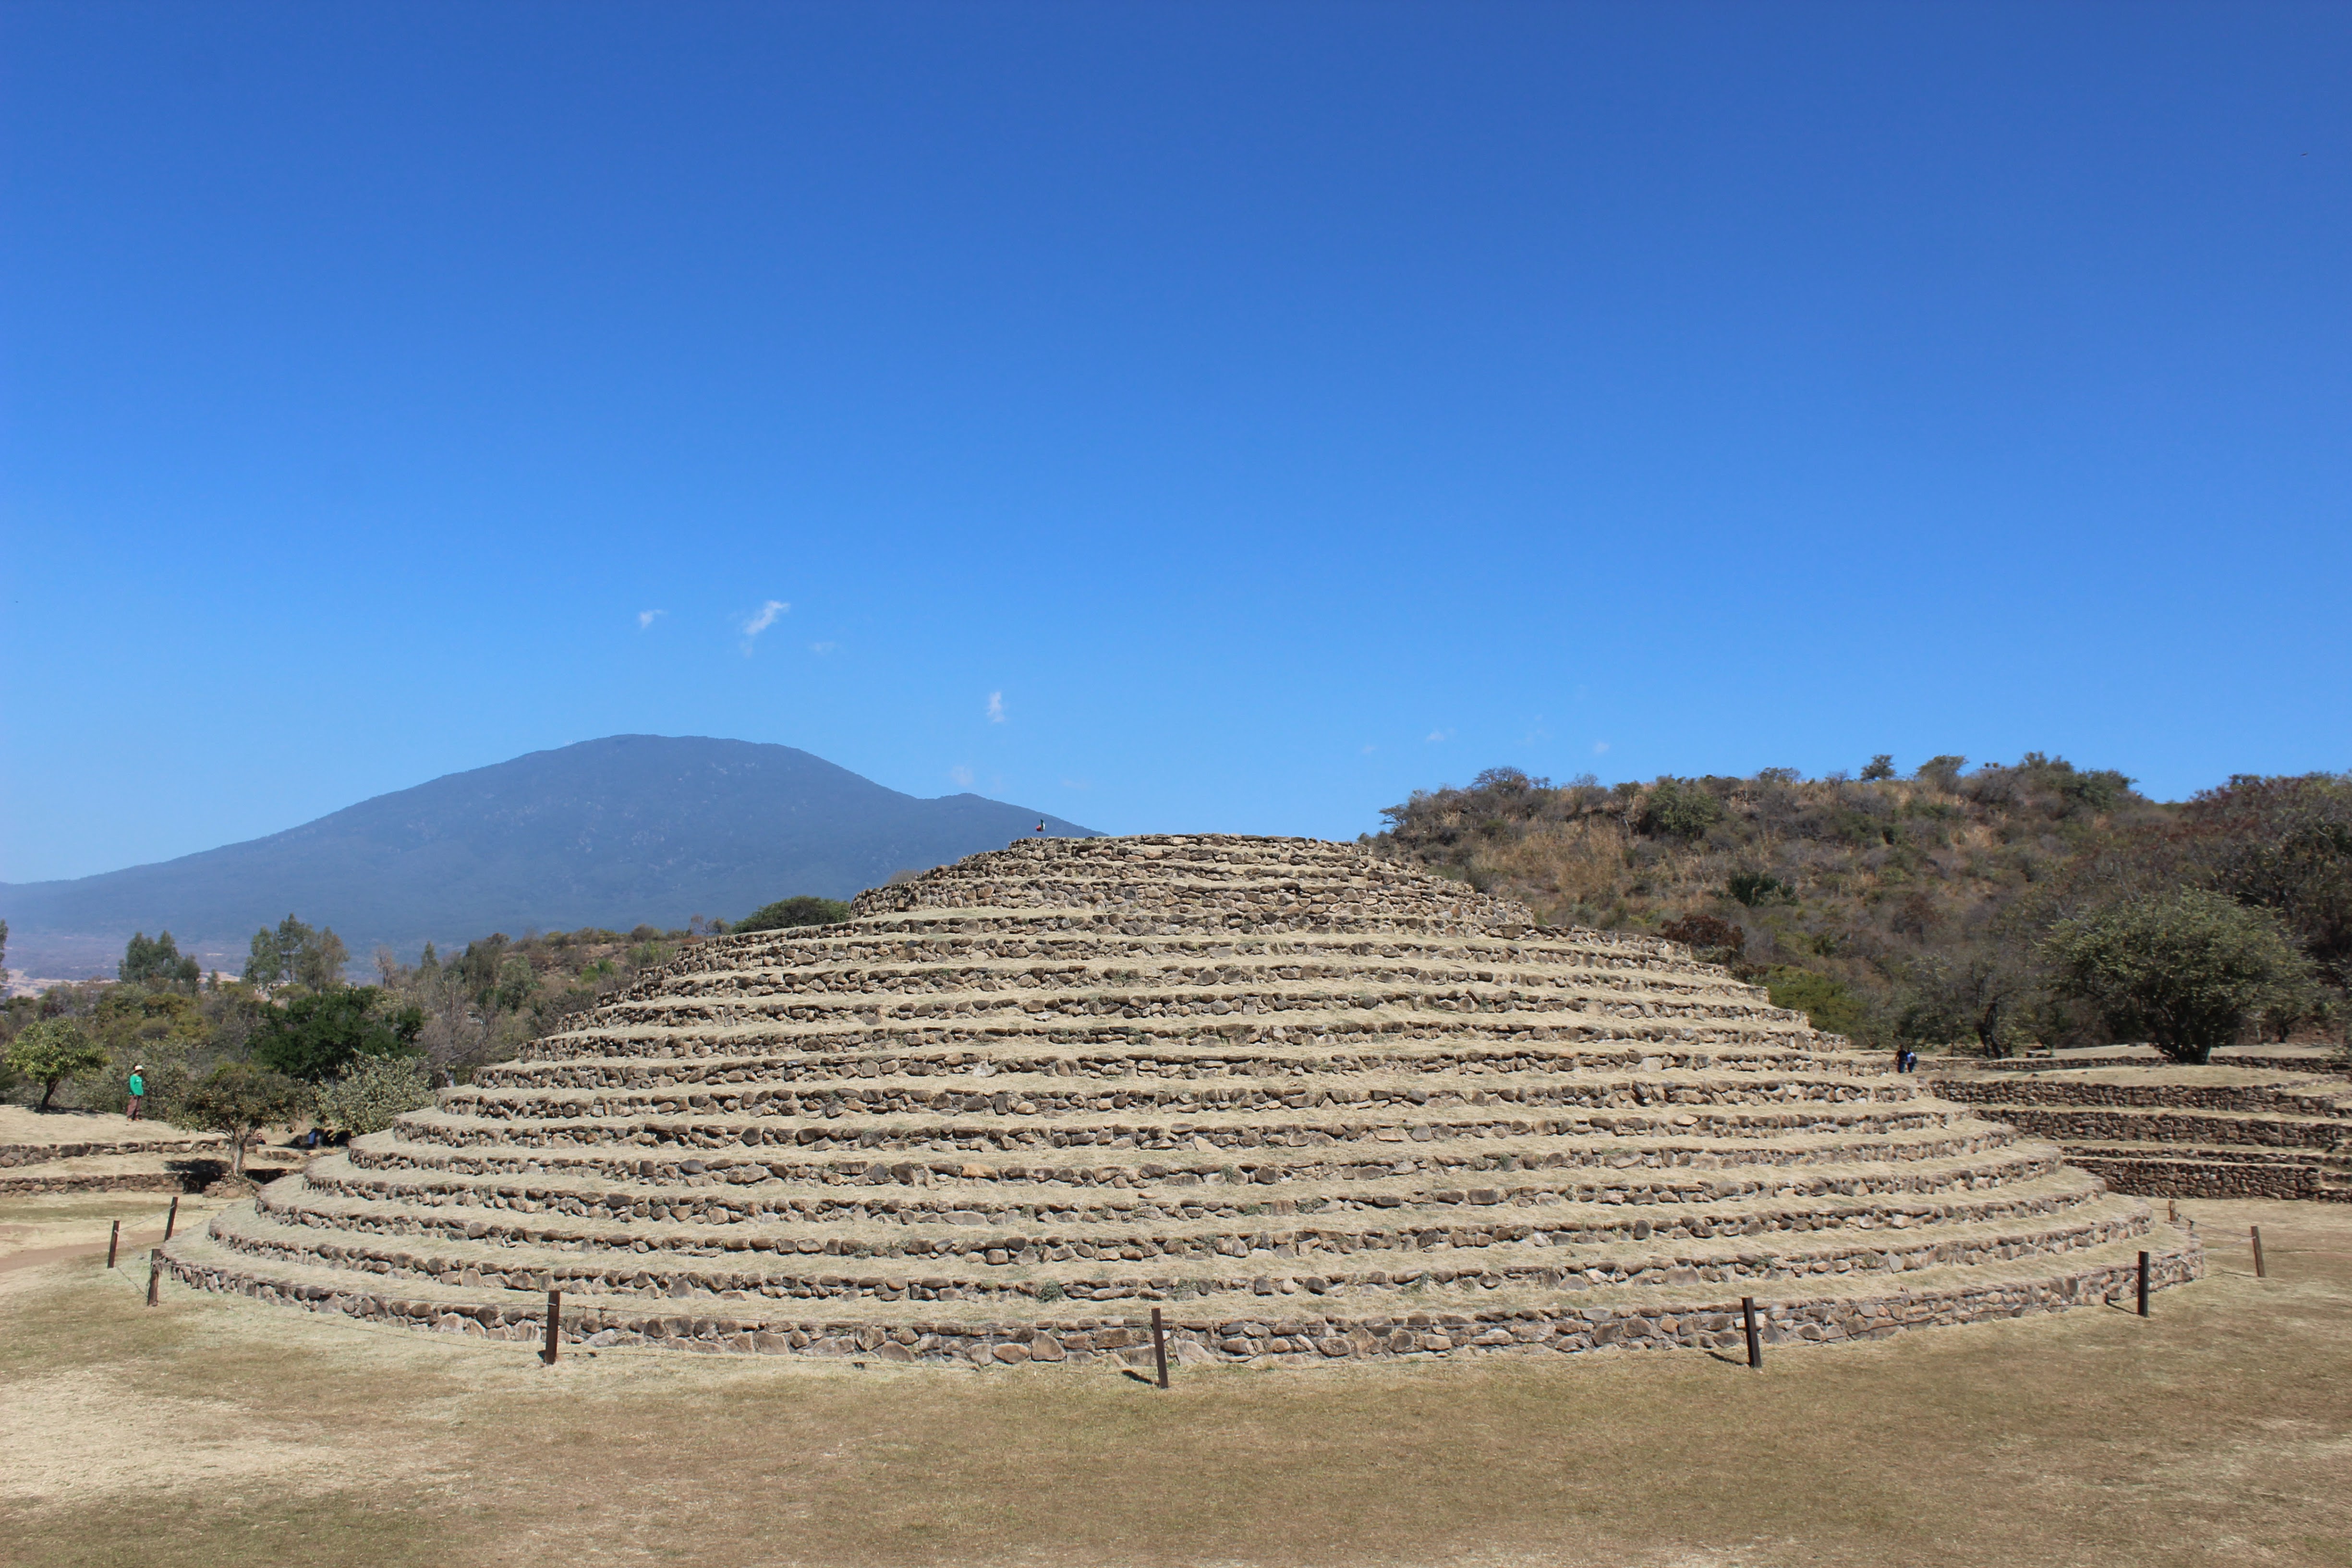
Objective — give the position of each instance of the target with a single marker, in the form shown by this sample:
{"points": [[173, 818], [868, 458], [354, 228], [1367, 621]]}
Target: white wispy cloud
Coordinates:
{"points": [[647, 617], [960, 776], [823, 647], [1598, 747], [1367, 750], [996, 708], [761, 621], [1436, 736]]}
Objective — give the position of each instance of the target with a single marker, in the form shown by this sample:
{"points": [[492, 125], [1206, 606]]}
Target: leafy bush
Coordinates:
{"points": [[2188, 971], [1756, 890], [1942, 772], [1677, 809], [371, 1092], [787, 913], [1829, 1004]]}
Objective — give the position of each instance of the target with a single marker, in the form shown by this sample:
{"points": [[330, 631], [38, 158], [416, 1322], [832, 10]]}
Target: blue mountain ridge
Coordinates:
{"points": [[614, 832]]}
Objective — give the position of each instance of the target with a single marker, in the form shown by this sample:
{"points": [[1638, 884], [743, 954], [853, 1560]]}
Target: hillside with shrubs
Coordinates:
{"points": [[1934, 910], [293, 1036]]}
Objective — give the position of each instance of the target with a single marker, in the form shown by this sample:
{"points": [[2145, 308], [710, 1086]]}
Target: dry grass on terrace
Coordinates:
{"points": [[212, 1430]]}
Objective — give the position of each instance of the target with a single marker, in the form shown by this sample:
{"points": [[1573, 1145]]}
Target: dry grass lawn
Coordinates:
{"points": [[210, 1430]]}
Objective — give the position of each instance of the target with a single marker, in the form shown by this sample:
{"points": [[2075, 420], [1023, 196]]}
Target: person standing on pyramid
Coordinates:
{"points": [[137, 1087]]}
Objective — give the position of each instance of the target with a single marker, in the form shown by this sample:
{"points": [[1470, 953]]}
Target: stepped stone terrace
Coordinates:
{"points": [[1310, 1104]]}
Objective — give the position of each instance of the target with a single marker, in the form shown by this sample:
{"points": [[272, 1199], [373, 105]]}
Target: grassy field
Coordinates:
{"points": [[210, 1430]]}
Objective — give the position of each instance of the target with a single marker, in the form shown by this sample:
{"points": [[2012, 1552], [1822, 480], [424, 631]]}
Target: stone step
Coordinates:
{"points": [[2231, 1171], [1273, 974], [162, 1141], [2114, 1124], [1393, 1008], [380, 1163], [2301, 1098], [1439, 1320], [1290, 1139], [770, 1217], [168, 1168], [970, 1079], [943, 939], [1613, 1143], [791, 1090], [1014, 1275], [1174, 1045]]}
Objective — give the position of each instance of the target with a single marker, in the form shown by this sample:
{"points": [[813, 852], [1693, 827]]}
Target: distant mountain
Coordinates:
{"points": [[629, 829]]}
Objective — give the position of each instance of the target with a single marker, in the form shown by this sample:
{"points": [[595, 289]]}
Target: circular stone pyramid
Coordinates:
{"points": [[1307, 1102]]}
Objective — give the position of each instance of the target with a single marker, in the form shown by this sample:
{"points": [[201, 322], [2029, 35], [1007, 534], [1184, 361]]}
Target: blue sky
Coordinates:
{"points": [[1173, 416]]}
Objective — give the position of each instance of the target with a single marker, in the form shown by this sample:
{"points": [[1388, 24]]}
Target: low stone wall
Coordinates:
{"points": [[2213, 1177], [2338, 1064], [175, 1176], [2070, 1127], [2317, 1101], [1709, 1324], [17, 1154], [140, 1182]]}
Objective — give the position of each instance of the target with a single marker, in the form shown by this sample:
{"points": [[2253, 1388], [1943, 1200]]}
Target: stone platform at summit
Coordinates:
{"points": [[1312, 1105]]}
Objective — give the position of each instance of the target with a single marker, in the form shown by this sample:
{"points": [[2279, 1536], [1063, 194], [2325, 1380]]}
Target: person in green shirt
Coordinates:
{"points": [[138, 1090]]}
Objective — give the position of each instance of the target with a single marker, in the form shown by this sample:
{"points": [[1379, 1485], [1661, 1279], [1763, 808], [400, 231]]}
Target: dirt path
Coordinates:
{"points": [[35, 1257]]}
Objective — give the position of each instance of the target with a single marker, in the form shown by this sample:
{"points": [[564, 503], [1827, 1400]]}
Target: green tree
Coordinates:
{"points": [[787, 913], [372, 1090], [1882, 766], [238, 1100], [317, 1035], [2187, 969], [1970, 992], [52, 1051], [156, 963], [296, 953]]}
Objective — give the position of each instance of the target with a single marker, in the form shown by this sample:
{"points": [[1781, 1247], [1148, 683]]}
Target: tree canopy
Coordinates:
{"points": [[238, 1098], [296, 953], [51, 1051], [2186, 971], [315, 1036], [156, 963]]}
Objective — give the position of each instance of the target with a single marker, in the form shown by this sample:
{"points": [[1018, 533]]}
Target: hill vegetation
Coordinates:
{"points": [[293, 1031], [1924, 909]]}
